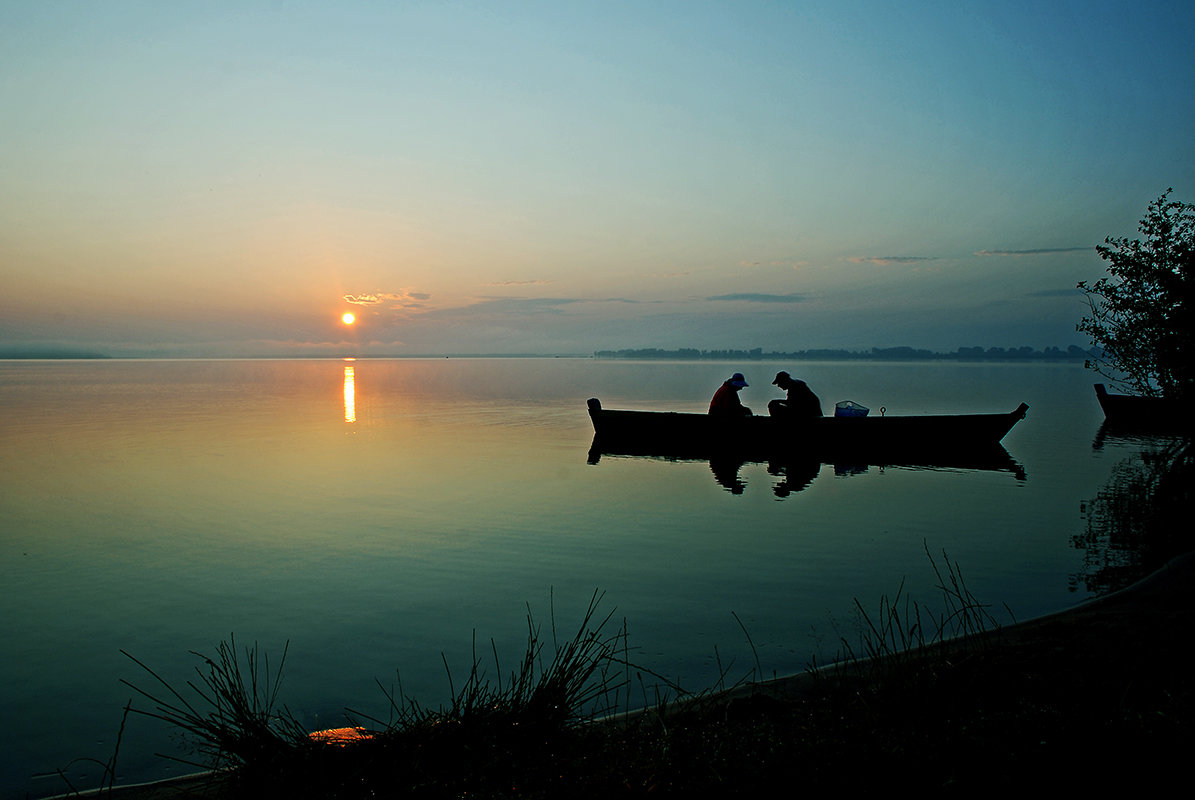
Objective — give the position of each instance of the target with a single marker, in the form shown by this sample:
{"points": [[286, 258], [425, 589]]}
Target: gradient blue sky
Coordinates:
{"points": [[225, 178]]}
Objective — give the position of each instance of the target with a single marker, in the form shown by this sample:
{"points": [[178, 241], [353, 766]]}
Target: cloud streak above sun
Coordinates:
{"points": [[404, 300]]}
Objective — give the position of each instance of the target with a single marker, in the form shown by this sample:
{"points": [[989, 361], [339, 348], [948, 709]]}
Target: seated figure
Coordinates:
{"points": [[726, 400], [800, 402]]}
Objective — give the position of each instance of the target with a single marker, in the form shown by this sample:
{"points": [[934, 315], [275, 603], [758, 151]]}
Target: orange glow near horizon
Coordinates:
{"points": [[348, 318]]}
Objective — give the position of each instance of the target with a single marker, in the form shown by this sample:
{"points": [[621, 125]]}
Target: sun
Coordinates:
{"points": [[348, 318]]}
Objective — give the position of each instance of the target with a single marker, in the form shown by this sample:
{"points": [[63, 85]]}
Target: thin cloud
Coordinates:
{"points": [[1057, 293], [1038, 252], [785, 264], [518, 283], [545, 302], [520, 305], [887, 260], [497, 307], [404, 300], [749, 297]]}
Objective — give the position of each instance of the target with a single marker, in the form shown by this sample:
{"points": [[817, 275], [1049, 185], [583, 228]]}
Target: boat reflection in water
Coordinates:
{"points": [[798, 472], [1137, 420], [1138, 436], [795, 450]]}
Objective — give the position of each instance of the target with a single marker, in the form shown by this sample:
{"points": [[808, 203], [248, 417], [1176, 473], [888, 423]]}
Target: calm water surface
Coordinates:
{"points": [[376, 513]]}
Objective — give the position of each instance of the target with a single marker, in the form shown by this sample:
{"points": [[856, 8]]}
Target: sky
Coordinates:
{"points": [[229, 178]]}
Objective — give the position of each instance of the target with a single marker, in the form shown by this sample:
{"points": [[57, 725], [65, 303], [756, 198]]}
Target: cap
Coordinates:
{"points": [[737, 379], [779, 375]]}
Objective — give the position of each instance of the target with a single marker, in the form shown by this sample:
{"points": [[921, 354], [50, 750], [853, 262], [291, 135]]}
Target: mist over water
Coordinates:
{"points": [[377, 513]]}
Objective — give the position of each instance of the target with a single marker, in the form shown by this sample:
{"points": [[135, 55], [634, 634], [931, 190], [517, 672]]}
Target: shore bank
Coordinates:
{"points": [[1094, 696]]}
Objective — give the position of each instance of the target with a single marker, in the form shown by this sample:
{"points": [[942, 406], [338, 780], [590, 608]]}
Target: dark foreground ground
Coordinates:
{"points": [[1097, 698]]}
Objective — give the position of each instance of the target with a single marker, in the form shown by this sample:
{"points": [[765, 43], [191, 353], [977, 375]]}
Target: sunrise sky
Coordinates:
{"points": [[230, 178]]}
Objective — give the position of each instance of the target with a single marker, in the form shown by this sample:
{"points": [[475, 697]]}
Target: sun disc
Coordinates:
{"points": [[347, 318]]}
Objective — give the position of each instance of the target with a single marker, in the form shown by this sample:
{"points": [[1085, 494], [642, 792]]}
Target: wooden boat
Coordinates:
{"points": [[1139, 411], [876, 439]]}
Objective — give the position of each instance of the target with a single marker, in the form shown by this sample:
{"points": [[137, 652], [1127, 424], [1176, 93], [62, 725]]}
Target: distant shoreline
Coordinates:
{"points": [[1072, 354], [36, 355]]}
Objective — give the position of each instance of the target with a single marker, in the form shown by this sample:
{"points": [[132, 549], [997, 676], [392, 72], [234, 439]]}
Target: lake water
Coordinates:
{"points": [[375, 513]]}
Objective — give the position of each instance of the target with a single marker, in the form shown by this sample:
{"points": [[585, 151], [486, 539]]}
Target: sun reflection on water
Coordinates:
{"points": [[350, 396]]}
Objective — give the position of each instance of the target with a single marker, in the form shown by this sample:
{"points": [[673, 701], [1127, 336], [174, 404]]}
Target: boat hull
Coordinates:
{"points": [[689, 435], [1139, 411]]}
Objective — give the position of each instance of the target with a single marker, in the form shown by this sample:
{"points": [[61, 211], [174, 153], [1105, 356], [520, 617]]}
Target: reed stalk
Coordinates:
{"points": [[506, 726], [902, 629]]}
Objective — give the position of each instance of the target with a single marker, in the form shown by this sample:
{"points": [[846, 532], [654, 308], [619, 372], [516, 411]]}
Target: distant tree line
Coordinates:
{"points": [[47, 353], [1072, 353]]}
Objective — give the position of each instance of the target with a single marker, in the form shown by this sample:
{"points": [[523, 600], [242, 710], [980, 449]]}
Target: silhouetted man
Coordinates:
{"points": [[801, 401]]}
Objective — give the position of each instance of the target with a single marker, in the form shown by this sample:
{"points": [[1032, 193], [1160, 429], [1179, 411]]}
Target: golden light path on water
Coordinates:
{"points": [[350, 396]]}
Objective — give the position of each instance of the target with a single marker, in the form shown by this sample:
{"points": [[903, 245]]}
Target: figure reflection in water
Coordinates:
{"points": [[726, 402], [801, 401], [794, 476], [726, 473]]}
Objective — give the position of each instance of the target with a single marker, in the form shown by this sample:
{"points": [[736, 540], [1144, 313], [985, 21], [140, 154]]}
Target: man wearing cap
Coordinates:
{"points": [[801, 402], [726, 402]]}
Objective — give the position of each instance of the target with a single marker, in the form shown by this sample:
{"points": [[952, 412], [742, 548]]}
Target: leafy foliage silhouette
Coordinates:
{"points": [[1142, 315]]}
